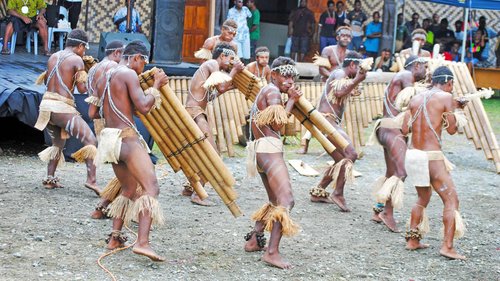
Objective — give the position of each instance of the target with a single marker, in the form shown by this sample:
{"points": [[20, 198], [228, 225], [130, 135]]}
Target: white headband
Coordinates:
{"points": [[230, 28], [419, 36], [446, 76], [262, 54], [417, 60], [286, 70], [353, 59], [81, 41], [114, 49]]}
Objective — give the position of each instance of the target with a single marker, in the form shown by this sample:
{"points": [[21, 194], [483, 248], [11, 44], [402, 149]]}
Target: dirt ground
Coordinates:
{"points": [[49, 235]]}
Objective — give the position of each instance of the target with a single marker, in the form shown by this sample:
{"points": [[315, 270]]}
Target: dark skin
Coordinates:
{"points": [[199, 97], [275, 175], [358, 75], [41, 24], [226, 35], [58, 121], [134, 166], [423, 138], [260, 67], [343, 40], [393, 142], [102, 67]]}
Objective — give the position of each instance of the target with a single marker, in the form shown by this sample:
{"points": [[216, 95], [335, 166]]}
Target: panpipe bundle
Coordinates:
{"points": [[478, 126], [185, 146], [89, 61]]}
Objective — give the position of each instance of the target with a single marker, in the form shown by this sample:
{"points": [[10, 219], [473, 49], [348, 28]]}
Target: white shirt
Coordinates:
{"points": [[240, 16]]}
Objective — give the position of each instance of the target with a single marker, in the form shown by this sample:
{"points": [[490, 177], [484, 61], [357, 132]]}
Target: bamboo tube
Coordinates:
{"points": [[185, 90], [373, 100], [239, 106], [380, 98], [221, 141], [362, 107], [230, 118], [322, 139], [178, 88], [319, 121], [348, 122], [225, 127], [359, 120], [211, 119], [367, 93], [234, 120]]}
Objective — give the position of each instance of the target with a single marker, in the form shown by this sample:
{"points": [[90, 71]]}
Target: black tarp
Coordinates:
{"points": [[23, 105]]}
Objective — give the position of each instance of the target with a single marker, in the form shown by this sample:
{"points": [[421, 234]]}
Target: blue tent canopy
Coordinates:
{"points": [[473, 4]]}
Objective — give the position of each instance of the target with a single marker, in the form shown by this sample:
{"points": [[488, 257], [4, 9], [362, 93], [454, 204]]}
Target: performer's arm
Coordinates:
{"points": [[346, 90], [208, 44], [238, 66], [142, 101], [93, 112], [81, 77], [451, 106], [405, 130], [323, 70]]}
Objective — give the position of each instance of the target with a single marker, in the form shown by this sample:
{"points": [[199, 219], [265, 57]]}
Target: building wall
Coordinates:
{"points": [[99, 17]]}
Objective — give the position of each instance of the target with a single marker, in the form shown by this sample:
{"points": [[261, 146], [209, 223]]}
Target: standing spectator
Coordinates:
{"points": [[383, 62], [411, 25], [459, 30], [74, 8], [444, 36], [301, 29], [402, 33], [23, 17], [240, 13], [356, 18], [340, 15], [120, 20], [435, 23], [373, 35], [326, 27], [429, 40], [254, 26]]}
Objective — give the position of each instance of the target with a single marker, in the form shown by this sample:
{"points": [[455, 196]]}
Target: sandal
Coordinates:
{"points": [[5, 52]]}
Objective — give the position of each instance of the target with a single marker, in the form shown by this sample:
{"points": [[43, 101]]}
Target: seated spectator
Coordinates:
{"points": [[383, 62], [444, 36], [362, 51], [477, 46], [459, 30], [24, 16], [454, 53], [120, 20]]}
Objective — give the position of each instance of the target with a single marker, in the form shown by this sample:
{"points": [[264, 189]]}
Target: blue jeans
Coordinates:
{"points": [[355, 43], [326, 41]]}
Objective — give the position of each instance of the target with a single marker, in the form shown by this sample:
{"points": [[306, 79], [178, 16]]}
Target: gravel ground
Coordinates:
{"points": [[49, 235]]}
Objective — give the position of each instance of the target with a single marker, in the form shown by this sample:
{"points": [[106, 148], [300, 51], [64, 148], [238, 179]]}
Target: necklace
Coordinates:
{"points": [[24, 8]]}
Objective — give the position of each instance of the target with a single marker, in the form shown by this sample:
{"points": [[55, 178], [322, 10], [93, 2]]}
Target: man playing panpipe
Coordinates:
{"points": [[114, 51], [260, 67], [208, 82], [430, 113], [331, 59], [340, 86], [122, 145], [227, 33], [65, 70], [265, 155], [388, 189]]}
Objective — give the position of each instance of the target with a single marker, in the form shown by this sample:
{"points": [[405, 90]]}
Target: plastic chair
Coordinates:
{"points": [[64, 12], [33, 33]]}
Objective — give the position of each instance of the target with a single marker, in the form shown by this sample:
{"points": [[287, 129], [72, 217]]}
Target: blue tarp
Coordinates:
{"points": [[473, 4]]}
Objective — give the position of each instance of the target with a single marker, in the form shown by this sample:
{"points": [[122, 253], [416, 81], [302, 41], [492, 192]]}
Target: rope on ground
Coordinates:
{"points": [[114, 251]]}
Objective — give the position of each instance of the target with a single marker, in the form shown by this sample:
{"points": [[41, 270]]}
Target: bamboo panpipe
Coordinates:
{"points": [[215, 171], [211, 119], [221, 141], [322, 139], [484, 121], [226, 128]]}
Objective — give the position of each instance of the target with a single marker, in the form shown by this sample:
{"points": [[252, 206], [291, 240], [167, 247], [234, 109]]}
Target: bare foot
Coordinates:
{"points": [[195, 199], [148, 252], [52, 182], [317, 199], [94, 188], [114, 244], [186, 192], [53, 185], [451, 254], [339, 200], [275, 260], [376, 218], [414, 244], [98, 214], [252, 245], [389, 222]]}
